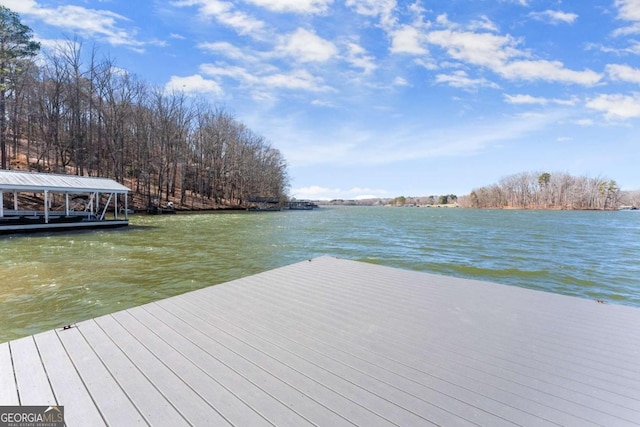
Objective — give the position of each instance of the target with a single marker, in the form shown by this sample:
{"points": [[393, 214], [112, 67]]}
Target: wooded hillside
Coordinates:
{"points": [[543, 190], [72, 112]]}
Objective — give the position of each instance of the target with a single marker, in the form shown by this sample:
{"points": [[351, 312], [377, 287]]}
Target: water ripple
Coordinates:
{"points": [[51, 280]]}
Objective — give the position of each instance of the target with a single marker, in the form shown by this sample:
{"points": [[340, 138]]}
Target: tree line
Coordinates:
{"points": [[69, 111], [432, 200], [543, 190]]}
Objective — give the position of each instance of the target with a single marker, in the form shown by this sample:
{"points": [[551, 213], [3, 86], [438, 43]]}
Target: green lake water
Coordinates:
{"points": [[49, 280]]}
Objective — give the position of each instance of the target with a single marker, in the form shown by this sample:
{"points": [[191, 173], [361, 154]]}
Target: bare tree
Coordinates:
{"points": [[544, 191], [84, 115]]}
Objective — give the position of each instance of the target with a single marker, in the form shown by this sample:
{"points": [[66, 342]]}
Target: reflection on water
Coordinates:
{"points": [[55, 279]]}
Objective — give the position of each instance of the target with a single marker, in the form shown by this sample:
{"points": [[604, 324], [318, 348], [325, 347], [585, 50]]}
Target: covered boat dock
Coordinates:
{"points": [[65, 202], [351, 344]]}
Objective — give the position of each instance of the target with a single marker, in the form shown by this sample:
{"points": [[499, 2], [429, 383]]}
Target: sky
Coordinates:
{"points": [[386, 98]]}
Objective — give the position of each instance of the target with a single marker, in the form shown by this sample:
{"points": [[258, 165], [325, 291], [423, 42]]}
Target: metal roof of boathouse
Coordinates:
{"points": [[337, 342], [31, 181]]}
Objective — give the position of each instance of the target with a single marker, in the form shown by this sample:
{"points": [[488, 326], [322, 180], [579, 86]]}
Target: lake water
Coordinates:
{"points": [[50, 280]]}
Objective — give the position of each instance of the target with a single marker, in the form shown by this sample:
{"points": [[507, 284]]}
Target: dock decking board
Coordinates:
{"points": [[114, 405], [422, 401], [461, 359], [460, 352], [336, 342], [31, 377], [431, 391], [329, 390], [244, 384], [223, 400], [66, 387], [8, 388]]}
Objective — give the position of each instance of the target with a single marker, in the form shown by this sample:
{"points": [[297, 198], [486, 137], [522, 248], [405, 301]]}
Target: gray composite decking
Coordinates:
{"points": [[331, 342]]}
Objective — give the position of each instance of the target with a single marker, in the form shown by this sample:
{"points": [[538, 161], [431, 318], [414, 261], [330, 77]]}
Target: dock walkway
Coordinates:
{"points": [[331, 342]]}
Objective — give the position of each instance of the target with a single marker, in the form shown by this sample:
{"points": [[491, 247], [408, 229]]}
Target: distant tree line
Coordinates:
{"points": [[543, 190], [71, 112], [423, 201]]}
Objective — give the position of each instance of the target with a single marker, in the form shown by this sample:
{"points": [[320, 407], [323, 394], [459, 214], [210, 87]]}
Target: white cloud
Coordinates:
{"points": [[296, 6], [377, 144], [358, 57], [628, 10], [624, 73], [484, 23], [536, 100], [555, 17], [91, 23], [443, 20], [408, 39], [368, 196], [501, 55], [297, 80], [376, 8], [632, 48], [520, 2], [51, 44], [267, 82], [228, 50], [525, 99], [628, 30], [400, 81], [460, 79], [227, 14], [322, 103], [307, 46], [223, 70], [195, 84], [21, 6], [584, 122], [430, 63], [317, 192], [417, 9], [617, 106], [552, 71], [483, 49]]}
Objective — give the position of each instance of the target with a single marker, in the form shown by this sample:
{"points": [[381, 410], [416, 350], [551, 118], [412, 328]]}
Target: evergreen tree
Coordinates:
{"points": [[16, 45]]}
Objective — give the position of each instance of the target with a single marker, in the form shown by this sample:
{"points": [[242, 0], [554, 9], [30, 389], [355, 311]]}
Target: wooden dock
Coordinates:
{"points": [[331, 342]]}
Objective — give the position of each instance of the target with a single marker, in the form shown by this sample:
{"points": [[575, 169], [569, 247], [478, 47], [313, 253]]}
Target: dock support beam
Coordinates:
{"points": [[46, 206]]}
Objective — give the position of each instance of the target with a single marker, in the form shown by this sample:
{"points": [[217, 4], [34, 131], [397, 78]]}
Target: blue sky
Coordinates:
{"points": [[385, 98]]}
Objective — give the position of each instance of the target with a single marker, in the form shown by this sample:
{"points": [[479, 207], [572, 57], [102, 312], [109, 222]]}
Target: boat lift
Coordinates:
{"points": [[89, 188]]}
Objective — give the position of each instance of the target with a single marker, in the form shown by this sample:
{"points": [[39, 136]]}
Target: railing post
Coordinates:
{"points": [[46, 206]]}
